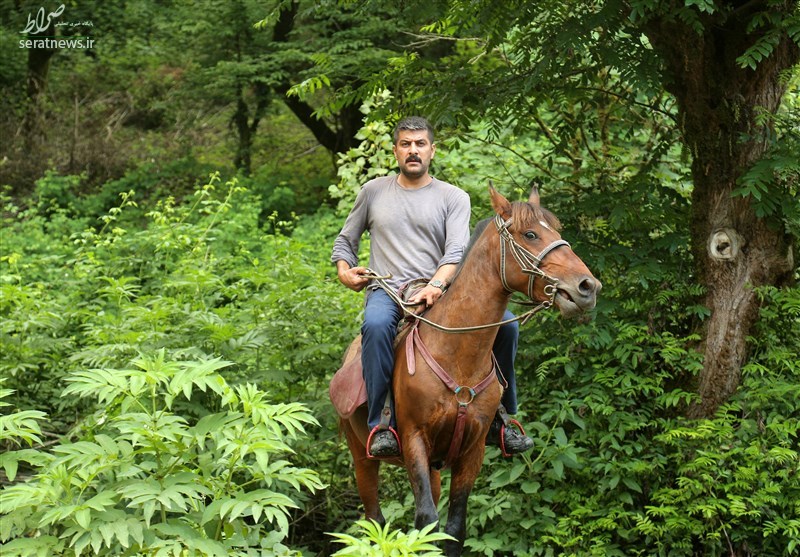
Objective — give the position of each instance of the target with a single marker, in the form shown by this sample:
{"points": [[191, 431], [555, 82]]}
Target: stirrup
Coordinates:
{"points": [[385, 424], [506, 421], [515, 423], [381, 427]]}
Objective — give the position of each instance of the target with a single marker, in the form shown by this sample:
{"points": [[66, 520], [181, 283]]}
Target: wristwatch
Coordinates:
{"points": [[438, 284]]}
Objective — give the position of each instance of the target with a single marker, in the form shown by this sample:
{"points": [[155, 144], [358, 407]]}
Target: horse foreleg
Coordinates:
{"points": [[366, 476], [420, 475], [367, 481], [464, 473]]}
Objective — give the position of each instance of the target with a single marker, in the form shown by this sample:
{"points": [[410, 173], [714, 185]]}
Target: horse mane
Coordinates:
{"points": [[479, 228]]}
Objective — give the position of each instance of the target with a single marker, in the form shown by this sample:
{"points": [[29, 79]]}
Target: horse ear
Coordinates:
{"points": [[533, 198], [500, 204]]}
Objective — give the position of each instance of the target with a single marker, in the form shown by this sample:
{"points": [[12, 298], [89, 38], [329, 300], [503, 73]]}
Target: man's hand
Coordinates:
{"points": [[428, 295], [352, 277]]}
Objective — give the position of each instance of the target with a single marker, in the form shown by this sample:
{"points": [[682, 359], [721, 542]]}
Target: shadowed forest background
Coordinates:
{"points": [[171, 320]]}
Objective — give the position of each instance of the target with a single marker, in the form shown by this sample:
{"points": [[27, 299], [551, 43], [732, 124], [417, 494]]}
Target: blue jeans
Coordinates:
{"points": [[381, 316]]}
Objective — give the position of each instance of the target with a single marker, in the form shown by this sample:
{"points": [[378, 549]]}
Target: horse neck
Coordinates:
{"points": [[476, 297]]}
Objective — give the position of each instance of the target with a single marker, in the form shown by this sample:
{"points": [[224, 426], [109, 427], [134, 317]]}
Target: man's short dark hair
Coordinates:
{"points": [[413, 123]]}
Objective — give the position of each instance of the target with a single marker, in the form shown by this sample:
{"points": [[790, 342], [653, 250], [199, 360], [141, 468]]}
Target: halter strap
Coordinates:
{"points": [[528, 263], [523, 318]]}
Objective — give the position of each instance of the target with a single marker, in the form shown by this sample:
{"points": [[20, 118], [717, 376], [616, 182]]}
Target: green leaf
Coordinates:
{"points": [[9, 465], [83, 517], [558, 469], [103, 499]]}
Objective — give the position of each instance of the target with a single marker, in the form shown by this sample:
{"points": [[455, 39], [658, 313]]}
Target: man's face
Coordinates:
{"points": [[414, 152]]}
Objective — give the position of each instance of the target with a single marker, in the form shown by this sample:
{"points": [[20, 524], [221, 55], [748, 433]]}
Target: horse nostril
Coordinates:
{"points": [[588, 286]]}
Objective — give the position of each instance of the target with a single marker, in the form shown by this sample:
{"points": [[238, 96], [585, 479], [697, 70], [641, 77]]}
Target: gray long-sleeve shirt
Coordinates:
{"points": [[413, 232]]}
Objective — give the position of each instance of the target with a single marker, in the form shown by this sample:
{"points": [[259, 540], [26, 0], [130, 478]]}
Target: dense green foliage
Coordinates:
{"points": [[156, 473], [169, 326], [165, 299], [172, 288]]}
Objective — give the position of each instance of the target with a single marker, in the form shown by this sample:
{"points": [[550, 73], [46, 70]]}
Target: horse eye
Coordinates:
{"points": [[530, 235]]}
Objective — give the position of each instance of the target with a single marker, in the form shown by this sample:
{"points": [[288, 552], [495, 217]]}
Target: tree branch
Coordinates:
{"points": [[631, 101], [304, 112]]}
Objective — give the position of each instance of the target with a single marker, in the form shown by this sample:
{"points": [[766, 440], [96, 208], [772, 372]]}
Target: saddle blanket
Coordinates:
{"points": [[347, 389]]}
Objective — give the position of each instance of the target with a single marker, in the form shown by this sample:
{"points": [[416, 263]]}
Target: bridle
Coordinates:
{"points": [[528, 263]]}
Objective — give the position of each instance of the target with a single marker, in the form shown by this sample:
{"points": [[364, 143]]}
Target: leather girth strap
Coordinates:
{"points": [[413, 341]]}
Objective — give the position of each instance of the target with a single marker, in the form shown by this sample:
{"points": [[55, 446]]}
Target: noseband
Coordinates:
{"points": [[528, 263]]}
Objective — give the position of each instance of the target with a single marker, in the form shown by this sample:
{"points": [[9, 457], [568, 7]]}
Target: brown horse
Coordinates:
{"points": [[429, 412]]}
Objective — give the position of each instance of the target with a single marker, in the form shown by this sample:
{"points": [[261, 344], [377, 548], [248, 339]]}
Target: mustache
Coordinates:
{"points": [[413, 158]]}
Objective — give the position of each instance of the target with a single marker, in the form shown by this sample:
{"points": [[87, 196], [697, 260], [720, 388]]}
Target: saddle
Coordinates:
{"points": [[347, 389]]}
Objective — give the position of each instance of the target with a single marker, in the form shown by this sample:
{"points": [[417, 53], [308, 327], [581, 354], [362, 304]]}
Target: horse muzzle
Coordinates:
{"points": [[576, 297]]}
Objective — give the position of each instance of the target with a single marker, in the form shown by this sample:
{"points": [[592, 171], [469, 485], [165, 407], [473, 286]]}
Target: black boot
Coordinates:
{"points": [[384, 444], [513, 442]]}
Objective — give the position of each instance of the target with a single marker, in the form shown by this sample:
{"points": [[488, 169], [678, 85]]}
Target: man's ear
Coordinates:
{"points": [[500, 204]]}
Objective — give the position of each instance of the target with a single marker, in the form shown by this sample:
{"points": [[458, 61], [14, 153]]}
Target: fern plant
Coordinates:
{"points": [[375, 540], [143, 478], [16, 429]]}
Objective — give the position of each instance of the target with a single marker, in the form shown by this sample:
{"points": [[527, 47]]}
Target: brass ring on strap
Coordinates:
{"points": [[471, 392], [550, 290]]}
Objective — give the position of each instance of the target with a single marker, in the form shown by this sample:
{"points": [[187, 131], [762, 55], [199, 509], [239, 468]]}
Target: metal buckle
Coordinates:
{"points": [[471, 395]]}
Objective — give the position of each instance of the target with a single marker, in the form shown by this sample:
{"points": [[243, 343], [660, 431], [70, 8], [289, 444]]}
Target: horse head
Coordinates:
{"points": [[546, 268]]}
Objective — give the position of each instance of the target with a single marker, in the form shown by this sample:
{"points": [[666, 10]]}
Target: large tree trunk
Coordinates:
{"points": [[247, 127], [34, 128], [734, 251], [337, 140], [242, 160]]}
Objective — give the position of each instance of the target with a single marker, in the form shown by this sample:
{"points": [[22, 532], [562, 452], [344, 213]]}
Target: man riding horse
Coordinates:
{"points": [[419, 227]]}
